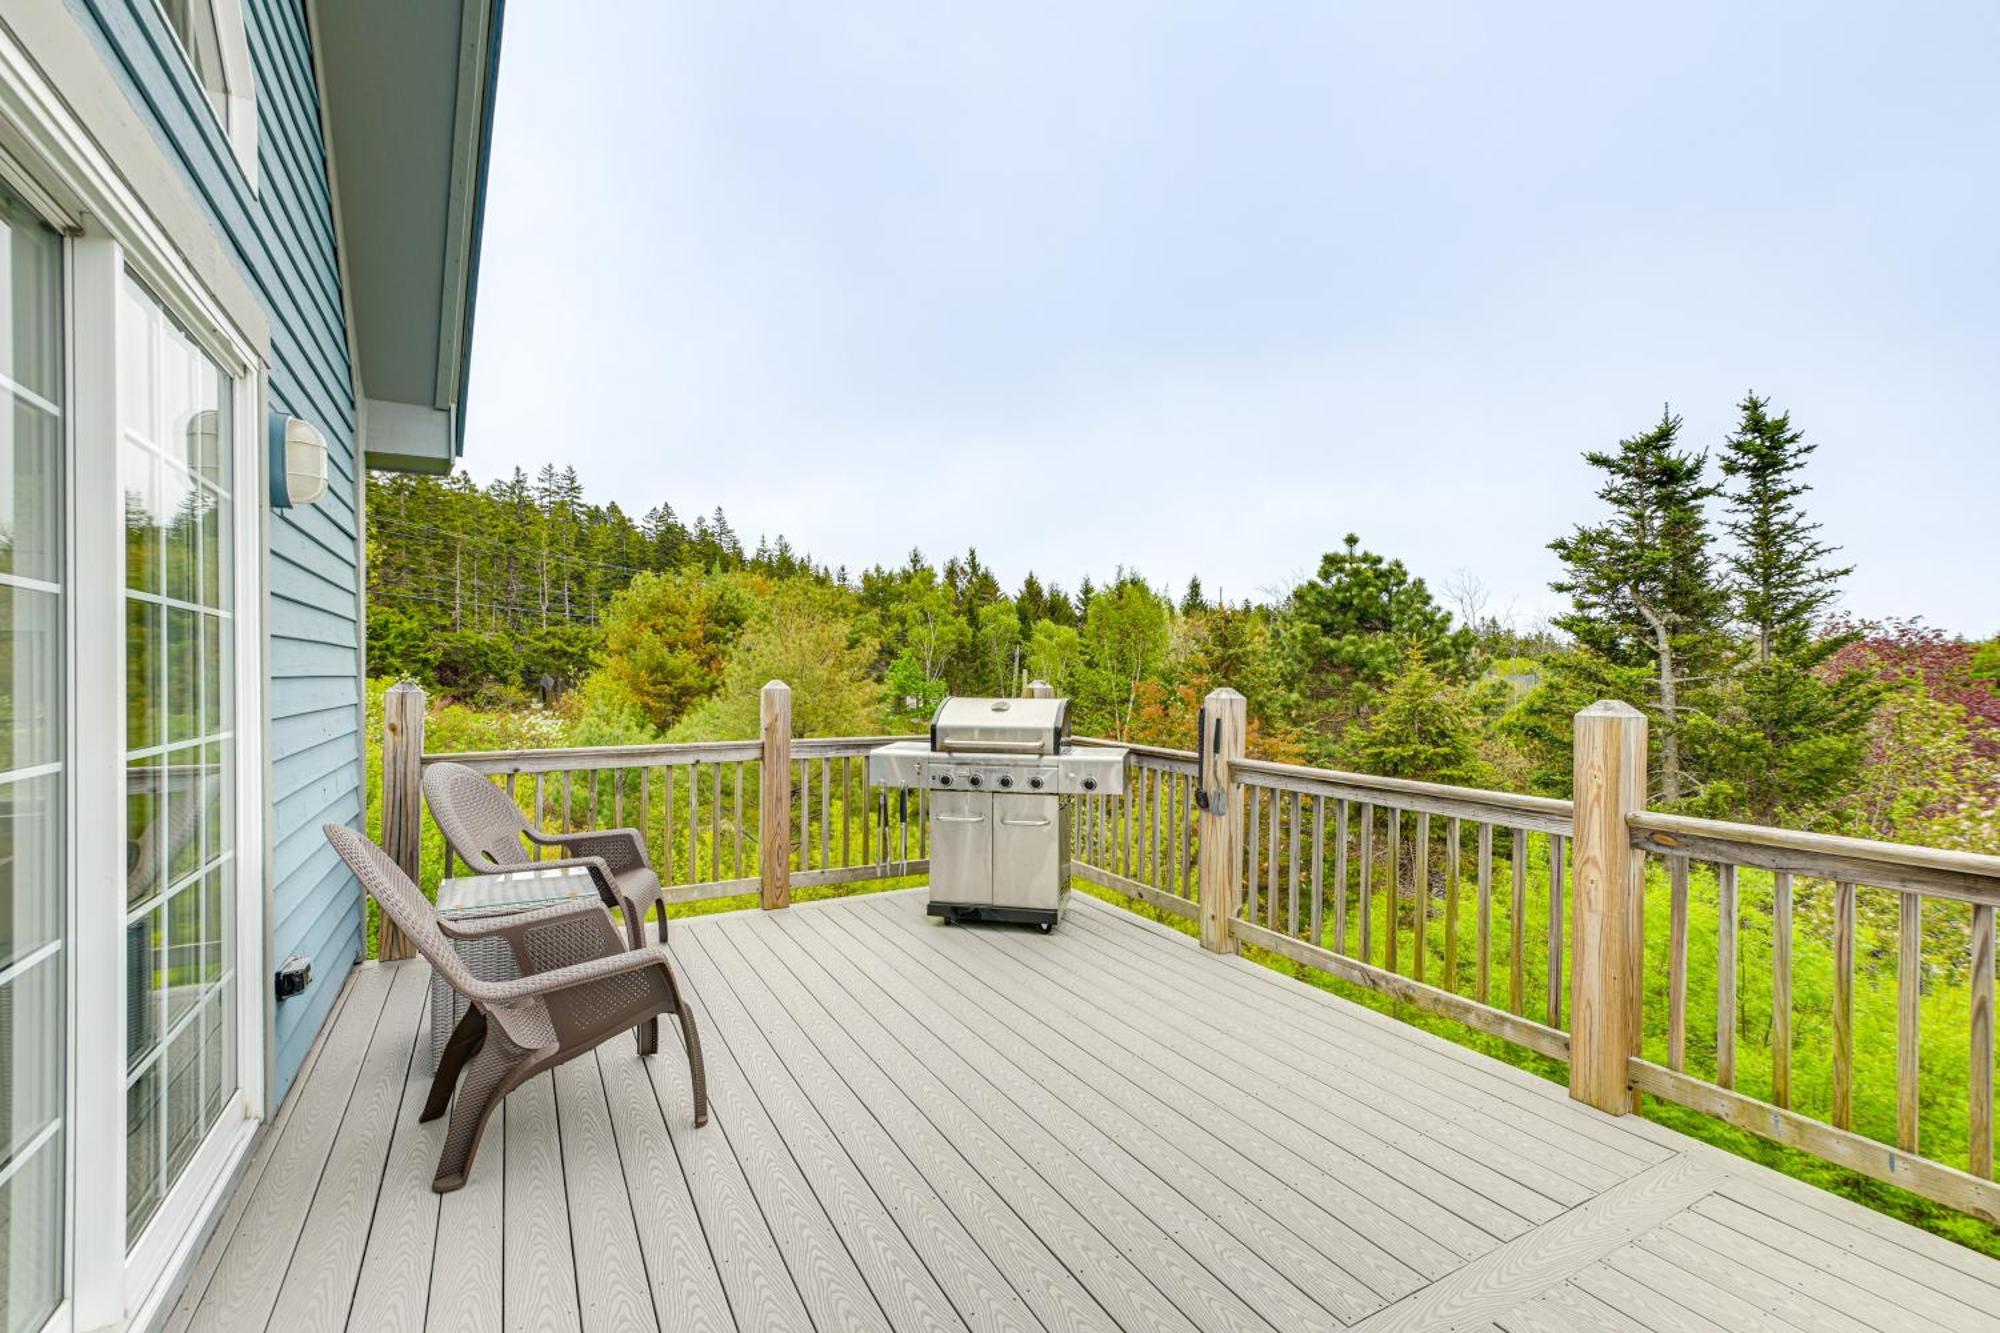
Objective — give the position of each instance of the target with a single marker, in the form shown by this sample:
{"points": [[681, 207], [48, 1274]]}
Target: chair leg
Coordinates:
{"points": [[497, 1070], [648, 1032], [697, 1070], [464, 1043]]}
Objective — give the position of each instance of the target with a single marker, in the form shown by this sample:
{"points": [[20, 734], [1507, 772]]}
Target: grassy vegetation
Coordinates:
{"points": [[1944, 1030]]}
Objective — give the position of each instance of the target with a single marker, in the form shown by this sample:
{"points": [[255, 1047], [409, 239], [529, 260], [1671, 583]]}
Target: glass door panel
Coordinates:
{"points": [[33, 773], [180, 750]]}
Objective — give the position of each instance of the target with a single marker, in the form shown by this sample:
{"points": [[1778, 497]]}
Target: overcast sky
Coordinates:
{"points": [[1201, 287]]}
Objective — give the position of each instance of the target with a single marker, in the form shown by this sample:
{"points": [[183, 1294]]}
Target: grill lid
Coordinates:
{"points": [[1000, 726]]}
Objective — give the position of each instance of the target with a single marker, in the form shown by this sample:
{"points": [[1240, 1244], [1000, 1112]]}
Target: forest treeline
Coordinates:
{"points": [[1703, 592]]}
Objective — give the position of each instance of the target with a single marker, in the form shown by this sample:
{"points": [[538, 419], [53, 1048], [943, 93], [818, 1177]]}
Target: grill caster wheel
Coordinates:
{"points": [[1044, 926]]}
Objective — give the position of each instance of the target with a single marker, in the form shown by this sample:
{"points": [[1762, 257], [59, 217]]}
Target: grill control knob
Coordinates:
{"points": [[972, 781], [1006, 781], [1090, 784], [1035, 782], [944, 779]]}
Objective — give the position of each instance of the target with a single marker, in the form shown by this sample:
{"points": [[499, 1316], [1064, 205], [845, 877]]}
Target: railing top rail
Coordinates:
{"points": [[817, 745], [557, 758], [1499, 807], [1939, 871]]}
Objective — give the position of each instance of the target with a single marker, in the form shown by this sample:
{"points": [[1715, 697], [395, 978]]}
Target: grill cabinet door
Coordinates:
{"points": [[961, 847], [1027, 840]]}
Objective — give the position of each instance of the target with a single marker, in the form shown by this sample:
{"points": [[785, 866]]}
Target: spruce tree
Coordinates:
{"points": [[1643, 584], [1787, 738], [1779, 565]]}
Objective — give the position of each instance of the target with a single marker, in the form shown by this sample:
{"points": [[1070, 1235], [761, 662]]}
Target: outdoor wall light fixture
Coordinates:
{"points": [[298, 462]]}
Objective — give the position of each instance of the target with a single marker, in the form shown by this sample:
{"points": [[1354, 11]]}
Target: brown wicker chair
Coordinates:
{"points": [[484, 829], [579, 986]]}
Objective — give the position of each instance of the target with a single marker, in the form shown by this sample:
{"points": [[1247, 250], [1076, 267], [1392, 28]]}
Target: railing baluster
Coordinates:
{"points": [[1153, 811], [1453, 836], [736, 818], [1909, 996], [667, 823], [1420, 883], [646, 807], [825, 812], [1781, 988], [1725, 975], [1843, 1005], [1518, 922], [1318, 869], [1556, 971], [805, 842], [1677, 965], [1980, 1117], [694, 824], [541, 803], [1367, 904], [1292, 868], [1340, 875], [1248, 909], [1483, 981], [1393, 818], [1271, 863], [846, 810]]}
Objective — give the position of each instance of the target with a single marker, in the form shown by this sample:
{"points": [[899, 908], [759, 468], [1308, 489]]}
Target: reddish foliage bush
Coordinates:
{"points": [[1898, 650]]}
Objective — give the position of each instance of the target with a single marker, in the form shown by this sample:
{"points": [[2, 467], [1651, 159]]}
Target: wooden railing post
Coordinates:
{"points": [[1221, 821], [1040, 689], [774, 811], [1607, 924], [402, 796]]}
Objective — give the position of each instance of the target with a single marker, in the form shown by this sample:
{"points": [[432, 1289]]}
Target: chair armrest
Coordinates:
{"points": [[576, 974], [621, 848], [473, 926]]}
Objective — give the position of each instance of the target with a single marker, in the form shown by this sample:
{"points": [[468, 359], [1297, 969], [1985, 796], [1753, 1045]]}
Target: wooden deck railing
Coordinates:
{"points": [[710, 820], [1522, 917]]}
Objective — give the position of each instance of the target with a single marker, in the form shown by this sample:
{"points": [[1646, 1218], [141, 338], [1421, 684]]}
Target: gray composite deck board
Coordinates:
{"points": [[1246, 1248], [916, 1127], [1348, 1275]]}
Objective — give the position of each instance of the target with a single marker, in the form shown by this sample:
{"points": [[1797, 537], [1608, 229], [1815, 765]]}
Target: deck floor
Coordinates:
{"points": [[925, 1127]]}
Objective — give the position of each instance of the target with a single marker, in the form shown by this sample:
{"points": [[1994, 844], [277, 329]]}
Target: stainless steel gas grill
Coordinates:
{"points": [[1001, 774]]}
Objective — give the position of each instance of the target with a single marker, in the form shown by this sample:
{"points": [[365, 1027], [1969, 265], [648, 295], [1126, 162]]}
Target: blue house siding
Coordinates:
{"points": [[282, 236]]}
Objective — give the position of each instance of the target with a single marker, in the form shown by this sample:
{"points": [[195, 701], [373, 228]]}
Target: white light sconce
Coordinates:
{"points": [[298, 462]]}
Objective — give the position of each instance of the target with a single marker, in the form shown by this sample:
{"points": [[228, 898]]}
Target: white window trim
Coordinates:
{"points": [[239, 82], [63, 173]]}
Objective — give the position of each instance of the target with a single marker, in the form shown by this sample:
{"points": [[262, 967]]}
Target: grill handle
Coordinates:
{"points": [[996, 747], [1025, 823]]}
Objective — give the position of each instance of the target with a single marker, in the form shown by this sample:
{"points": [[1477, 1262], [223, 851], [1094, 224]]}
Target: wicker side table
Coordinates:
{"points": [[491, 959]]}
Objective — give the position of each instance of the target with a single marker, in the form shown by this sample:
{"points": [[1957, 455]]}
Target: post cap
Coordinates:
{"points": [[1611, 708]]}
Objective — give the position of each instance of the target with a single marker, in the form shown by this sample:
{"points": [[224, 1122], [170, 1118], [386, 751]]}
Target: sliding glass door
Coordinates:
{"points": [[34, 744], [174, 467]]}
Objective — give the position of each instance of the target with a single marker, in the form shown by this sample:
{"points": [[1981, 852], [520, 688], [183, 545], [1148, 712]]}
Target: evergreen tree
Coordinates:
{"points": [[1346, 633], [1786, 739], [1191, 600], [1426, 728], [1643, 584], [1782, 581]]}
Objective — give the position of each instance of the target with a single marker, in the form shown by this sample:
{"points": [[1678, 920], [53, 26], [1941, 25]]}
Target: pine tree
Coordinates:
{"points": [[1782, 581], [1787, 738], [1426, 728], [1643, 585], [1191, 600]]}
